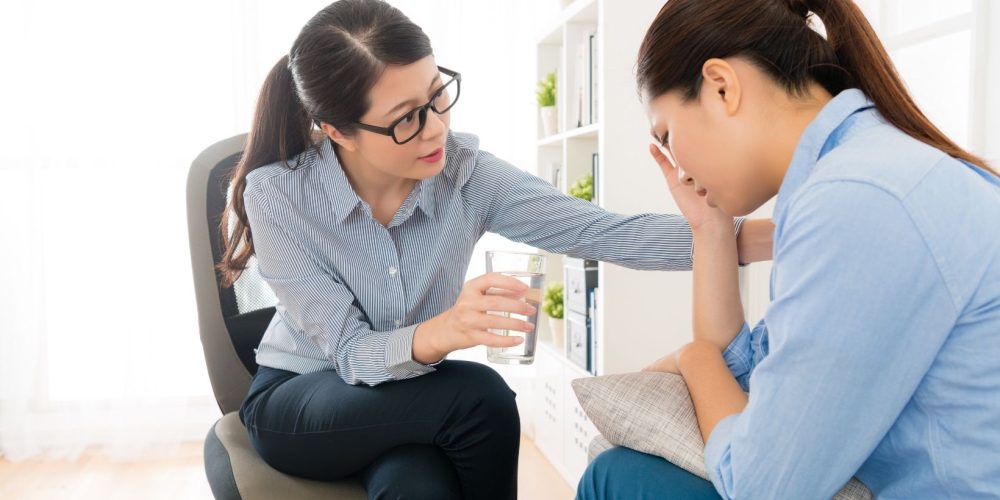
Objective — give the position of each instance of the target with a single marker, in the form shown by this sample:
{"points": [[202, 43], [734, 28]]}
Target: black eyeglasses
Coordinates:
{"points": [[409, 125]]}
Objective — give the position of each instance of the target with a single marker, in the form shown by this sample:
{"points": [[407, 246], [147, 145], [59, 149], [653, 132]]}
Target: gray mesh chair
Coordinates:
{"points": [[232, 322]]}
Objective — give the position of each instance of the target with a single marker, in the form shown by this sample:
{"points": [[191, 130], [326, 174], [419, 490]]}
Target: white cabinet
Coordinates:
{"points": [[578, 430], [548, 408], [562, 430]]}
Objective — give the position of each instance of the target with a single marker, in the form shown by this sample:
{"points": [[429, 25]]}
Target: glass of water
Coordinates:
{"points": [[529, 268]]}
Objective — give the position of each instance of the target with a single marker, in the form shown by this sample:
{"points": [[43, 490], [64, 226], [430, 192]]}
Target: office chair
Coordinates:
{"points": [[232, 322]]}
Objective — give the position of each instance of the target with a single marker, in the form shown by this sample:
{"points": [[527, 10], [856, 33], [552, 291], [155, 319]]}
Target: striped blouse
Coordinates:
{"points": [[351, 291]]}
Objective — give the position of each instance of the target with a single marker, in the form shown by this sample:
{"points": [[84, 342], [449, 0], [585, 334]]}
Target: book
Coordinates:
{"points": [[595, 171], [581, 85], [593, 334], [592, 78]]}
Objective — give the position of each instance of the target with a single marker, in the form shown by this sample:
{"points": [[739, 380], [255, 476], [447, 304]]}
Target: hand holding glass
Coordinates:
{"points": [[529, 269]]}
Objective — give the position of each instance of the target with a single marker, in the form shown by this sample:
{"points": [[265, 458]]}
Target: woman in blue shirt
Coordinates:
{"points": [[879, 356], [365, 238]]}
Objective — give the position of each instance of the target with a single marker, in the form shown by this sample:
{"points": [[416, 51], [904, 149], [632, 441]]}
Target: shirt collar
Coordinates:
{"points": [[338, 188], [422, 197], [823, 134], [426, 202], [345, 200]]}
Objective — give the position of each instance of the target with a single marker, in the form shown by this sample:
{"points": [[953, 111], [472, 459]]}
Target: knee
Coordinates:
{"points": [[485, 386], [597, 481], [495, 395], [622, 473], [483, 396]]}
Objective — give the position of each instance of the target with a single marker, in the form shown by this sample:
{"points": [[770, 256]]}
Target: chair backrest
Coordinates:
{"points": [[231, 320]]}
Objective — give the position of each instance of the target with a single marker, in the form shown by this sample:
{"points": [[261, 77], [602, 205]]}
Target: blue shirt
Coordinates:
{"points": [[351, 291], [880, 353]]}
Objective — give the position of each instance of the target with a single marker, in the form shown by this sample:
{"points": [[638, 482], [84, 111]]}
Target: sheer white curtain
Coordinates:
{"points": [[103, 105]]}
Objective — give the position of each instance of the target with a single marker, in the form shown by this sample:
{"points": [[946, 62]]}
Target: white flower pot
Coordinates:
{"points": [[558, 329], [549, 120]]}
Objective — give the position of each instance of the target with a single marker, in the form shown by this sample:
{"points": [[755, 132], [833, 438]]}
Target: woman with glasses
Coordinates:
{"points": [[364, 229]]}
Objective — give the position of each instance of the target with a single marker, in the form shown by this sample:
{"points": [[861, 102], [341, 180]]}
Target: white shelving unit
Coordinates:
{"points": [[641, 315]]}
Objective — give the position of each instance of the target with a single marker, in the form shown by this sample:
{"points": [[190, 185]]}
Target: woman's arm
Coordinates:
{"points": [[324, 307], [527, 209], [326, 311], [718, 317], [714, 391], [717, 309], [718, 312], [859, 314], [755, 241]]}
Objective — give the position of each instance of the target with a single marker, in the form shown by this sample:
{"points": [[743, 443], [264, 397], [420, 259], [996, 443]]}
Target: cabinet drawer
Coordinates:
{"points": [[578, 339], [581, 277], [579, 431], [549, 393]]}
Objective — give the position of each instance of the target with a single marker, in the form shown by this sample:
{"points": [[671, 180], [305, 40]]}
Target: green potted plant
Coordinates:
{"points": [[552, 304], [583, 188], [547, 103]]}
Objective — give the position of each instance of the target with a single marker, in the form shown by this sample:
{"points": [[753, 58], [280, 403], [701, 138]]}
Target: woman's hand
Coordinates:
{"points": [[666, 364], [715, 394], [467, 324], [693, 205]]}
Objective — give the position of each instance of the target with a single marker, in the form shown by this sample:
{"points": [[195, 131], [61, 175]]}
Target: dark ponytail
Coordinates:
{"points": [[777, 37], [861, 52], [336, 59], [281, 129]]}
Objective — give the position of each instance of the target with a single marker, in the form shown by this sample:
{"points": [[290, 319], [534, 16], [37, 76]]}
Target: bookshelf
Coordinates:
{"points": [[640, 315]]}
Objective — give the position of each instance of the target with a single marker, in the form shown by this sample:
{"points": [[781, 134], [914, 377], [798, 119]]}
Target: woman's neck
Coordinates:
{"points": [[382, 192], [796, 115], [367, 180]]}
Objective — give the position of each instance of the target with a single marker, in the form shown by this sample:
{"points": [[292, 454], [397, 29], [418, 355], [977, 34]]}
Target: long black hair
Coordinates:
{"points": [[336, 59]]}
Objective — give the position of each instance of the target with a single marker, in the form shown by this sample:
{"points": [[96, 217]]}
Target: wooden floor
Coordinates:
{"points": [[183, 476]]}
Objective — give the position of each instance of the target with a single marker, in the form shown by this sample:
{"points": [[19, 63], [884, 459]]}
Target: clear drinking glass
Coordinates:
{"points": [[529, 268]]}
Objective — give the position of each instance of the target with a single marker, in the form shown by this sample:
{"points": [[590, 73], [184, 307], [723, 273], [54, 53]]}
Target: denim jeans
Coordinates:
{"points": [[626, 474]]}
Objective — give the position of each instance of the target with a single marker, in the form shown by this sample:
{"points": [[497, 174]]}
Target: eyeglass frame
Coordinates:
{"points": [[420, 110]]}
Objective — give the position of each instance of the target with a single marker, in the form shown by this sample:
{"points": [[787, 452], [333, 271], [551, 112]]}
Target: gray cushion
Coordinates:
{"points": [[652, 412], [253, 478]]}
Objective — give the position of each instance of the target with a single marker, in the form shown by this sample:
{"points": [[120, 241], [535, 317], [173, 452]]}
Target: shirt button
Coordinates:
{"points": [[398, 322], [393, 271]]}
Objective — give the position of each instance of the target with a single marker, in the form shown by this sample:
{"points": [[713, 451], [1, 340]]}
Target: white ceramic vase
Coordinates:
{"points": [[558, 329], [549, 120]]}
